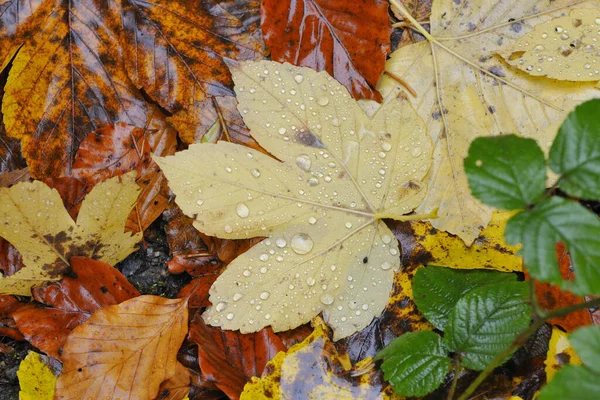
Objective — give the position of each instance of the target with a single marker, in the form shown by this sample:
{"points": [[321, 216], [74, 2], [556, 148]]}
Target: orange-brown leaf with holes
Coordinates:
{"points": [[89, 286], [66, 81], [124, 351], [348, 39]]}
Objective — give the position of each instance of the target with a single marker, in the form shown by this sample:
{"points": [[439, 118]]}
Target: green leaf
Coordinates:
{"points": [[415, 363], [572, 382], [575, 153], [506, 172], [486, 320], [436, 290], [553, 220], [586, 342]]}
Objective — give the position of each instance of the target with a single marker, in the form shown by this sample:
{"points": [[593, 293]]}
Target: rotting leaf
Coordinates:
{"points": [[124, 351], [66, 81], [321, 208], [352, 43], [464, 90], [36, 223], [89, 286], [230, 359]]}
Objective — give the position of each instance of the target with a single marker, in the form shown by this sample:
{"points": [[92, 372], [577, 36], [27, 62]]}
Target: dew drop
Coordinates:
{"points": [[313, 181], [237, 296], [335, 122], [385, 146], [263, 257], [230, 316], [247, 273], [326, 298], [265, 295], [323, 101], [544, 35], [255, 173], [228, 169], [348, 225], [299, 78], [303, 162], [242, 210], [280, 242], [539, 47], [386, 265], [386, 239], [282, 131], [221, 306], [302, 243], [228, 228], [587, 66], [558, 29], [310, 281], [312, 220], [199, 202], [597, 21], [263, 270], [267, 316], [352, 305]]}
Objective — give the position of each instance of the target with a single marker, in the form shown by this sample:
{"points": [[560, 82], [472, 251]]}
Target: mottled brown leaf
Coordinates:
{"points": [[348, 39]]}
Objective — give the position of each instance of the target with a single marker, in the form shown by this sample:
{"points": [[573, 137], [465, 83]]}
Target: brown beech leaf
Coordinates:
{"points": [[177, 387], [89, 286], [229, 358], [66, 81], [72, 192], [124, 351], [8, 327], [348, 39], [10, 259], [197, 289], [12, 15], [175, 51], [9, 178]]}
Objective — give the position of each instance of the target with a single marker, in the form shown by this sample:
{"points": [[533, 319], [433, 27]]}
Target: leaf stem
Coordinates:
{"points": [[457, 371], [412, 20], [522, 339]]}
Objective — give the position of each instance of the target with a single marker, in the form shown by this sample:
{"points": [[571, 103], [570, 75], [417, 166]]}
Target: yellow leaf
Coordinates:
{"points": [[320, 207], [563, 48], [489, 250], [36, 379], [560, 352], [36, 223], [124, 351], [465, 90], [314, 369]]}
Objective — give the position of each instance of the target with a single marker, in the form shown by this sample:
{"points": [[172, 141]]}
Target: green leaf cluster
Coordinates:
{"points": [[480, 313], [509, 172]]}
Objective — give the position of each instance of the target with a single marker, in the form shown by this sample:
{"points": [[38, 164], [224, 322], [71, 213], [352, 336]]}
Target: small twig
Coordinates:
{"points": [[221, 120], [402, 82]]}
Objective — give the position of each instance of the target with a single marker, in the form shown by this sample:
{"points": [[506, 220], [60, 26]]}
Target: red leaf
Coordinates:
{"points": [[90, 286], [348, 39], [10, 259], [8, 327], [230, 358]]}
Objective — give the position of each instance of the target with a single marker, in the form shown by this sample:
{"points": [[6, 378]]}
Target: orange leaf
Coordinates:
{"points": [[89, 286], [348, 39], [8, 305], [177, 387], [124, 351], [230, 358]]}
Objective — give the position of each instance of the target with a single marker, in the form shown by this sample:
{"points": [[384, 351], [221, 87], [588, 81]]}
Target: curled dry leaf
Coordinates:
{"points": [[230, 359], [36, 223], [124, 351], [176, 51], [463, 89], [66, 80], [89, 286], [321, 207], [352, 43]]}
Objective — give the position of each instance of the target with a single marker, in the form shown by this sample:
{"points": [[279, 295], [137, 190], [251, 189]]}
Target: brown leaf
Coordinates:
{"points": [[177, 387], [89, 286], [8, 327], [72, 192], [348, 39], [197, 289], [124, 351], [7, 179], [229, 358], [175, 51], [13, 14], [10, 259], [66, 81]]}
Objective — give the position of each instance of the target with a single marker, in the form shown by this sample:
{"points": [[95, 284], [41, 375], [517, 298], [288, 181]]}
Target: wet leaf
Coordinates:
{"points": [[8, 327], [66, 81], [352, 42], [230, 359], [314, 369], [36, 223], [89, 286], [327, 249], [465, 90], [35, 378], [177, 387], [562, 48], [125, 350], [176, 51]]}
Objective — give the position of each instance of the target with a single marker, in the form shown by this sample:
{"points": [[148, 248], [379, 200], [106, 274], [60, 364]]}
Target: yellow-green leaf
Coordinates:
{"points": [[36, 379], [34, 220], [563, 48], [320, 203], [465, 90]]}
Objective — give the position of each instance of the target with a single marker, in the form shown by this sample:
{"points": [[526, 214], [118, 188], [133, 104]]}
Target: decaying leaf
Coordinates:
{"points": [[36, 379], [66, 81], [315, 369], [352, 42], [320, 207], [563, 48], [89, 286], [36, 223], [464, 90], [124, 351], [560, 352]]}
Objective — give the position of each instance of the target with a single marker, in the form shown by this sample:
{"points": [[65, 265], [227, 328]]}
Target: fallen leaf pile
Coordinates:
{"points": [[230, 198]]}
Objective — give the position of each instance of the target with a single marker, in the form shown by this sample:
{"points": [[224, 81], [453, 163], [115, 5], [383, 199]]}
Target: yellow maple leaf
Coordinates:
{"points": [[36, 379], [463, 89], [34, 220], [320, 203]]}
